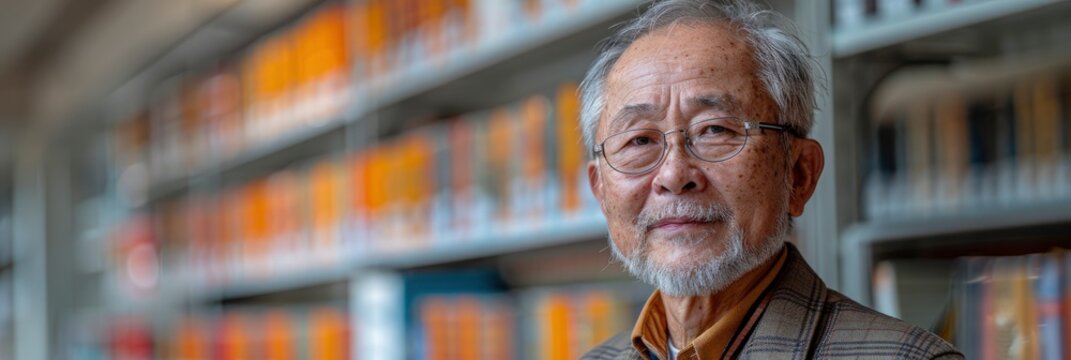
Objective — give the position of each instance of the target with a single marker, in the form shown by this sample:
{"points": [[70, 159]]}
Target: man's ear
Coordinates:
{"points": [[593, 179], [808, 160]]}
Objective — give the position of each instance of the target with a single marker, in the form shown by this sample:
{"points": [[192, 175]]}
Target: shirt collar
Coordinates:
{"points": [[651, 333]]}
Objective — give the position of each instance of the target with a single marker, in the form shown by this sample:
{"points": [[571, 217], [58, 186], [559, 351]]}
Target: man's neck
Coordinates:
{"points": [[688, 316]]}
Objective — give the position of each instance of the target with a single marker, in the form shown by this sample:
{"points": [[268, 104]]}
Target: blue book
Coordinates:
{"points": [[1044, 274]]}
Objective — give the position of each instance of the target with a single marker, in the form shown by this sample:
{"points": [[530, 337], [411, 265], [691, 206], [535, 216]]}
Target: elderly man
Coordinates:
{"points": [[698, 113]]}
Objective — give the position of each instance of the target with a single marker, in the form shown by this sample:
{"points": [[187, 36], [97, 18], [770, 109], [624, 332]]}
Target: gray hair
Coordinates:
{"points": [[785, 65]]}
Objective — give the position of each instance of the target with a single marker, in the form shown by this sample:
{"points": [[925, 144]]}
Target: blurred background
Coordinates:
{"points": [[403, 179]]}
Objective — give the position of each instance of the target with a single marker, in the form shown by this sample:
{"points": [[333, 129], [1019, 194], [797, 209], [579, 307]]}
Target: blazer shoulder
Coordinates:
{"points": [[617, 347], [851, 328]]}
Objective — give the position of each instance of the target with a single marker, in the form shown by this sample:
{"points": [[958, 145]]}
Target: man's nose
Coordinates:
{"points": [[678, 172]]}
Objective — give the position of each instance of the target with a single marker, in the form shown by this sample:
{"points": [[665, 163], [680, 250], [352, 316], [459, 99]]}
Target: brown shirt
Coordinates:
{"points": [[652, 334]]}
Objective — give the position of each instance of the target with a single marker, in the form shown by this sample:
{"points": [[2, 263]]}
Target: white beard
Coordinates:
{"points": [[710, 275]]}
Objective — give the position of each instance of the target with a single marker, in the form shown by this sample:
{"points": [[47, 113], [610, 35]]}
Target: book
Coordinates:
{"points": [[571, 160], [1043, 275], [529, 188], [325, 191]]}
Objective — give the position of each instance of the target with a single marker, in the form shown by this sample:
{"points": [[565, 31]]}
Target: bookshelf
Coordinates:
{"points": [[958, 112]]}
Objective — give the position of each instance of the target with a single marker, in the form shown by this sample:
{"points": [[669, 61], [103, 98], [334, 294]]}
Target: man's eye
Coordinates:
{"points": [[640, 140], [714, 130]]}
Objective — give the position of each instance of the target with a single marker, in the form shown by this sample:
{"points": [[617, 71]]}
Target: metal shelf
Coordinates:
{"points": [[582, 230], [591, 228], [860, 240], [887, 32], [976, 219], [257, 153], [304, 278]]}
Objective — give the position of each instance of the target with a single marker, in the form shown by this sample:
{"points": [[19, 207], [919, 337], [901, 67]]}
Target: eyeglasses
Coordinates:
{"points": [[639, 151]]}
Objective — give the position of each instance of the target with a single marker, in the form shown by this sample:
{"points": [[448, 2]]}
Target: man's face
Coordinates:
{"points": [[691, 219]]}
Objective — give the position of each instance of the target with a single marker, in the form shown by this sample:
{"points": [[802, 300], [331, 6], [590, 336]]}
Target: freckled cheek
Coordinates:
{"points": [[751, 186], [624, 201], [621, 207]]}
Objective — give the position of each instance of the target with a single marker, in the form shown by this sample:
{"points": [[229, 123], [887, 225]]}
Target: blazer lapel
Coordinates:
{"points": [[791, 319]]}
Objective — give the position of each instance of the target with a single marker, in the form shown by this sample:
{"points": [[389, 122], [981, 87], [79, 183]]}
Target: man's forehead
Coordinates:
{"points": [[680, 52], [716, 102]]}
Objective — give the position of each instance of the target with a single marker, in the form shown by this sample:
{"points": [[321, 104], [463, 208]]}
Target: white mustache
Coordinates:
{"points": [[709, 212]]}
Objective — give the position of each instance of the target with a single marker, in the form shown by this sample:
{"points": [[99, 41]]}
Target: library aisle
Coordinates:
{"points": [[404, 179]]}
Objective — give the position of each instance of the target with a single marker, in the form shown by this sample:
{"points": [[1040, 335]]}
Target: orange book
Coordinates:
{"points": [[462, 176], [434, 320], [324, 192], [395, 187], [378, 37], [419, 182], [557, 332], [190, 342], [193, 125], [329, 335], [282, 85], [535, 111], [431, 27], [323, 61], [500, 156], [358, 212], [279, 339], [234, 338], [273, 76], [571, 158], [235, 213], [256, 220], [498, 332], [357, 26], [303, 40], [380, 23], [283, 213], [600, 312], [533, 161], [378, 192], [469, 327]]}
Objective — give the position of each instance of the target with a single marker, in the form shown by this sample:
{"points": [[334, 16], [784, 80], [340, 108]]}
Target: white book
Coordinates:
{"points": [[377, 300]]}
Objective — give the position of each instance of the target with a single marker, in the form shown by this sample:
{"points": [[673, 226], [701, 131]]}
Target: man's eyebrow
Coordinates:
{"points": [[633, 111], [725, 103]]}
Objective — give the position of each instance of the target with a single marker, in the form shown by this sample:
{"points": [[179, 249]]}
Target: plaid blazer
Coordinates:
{"points": [[805, 320]]}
